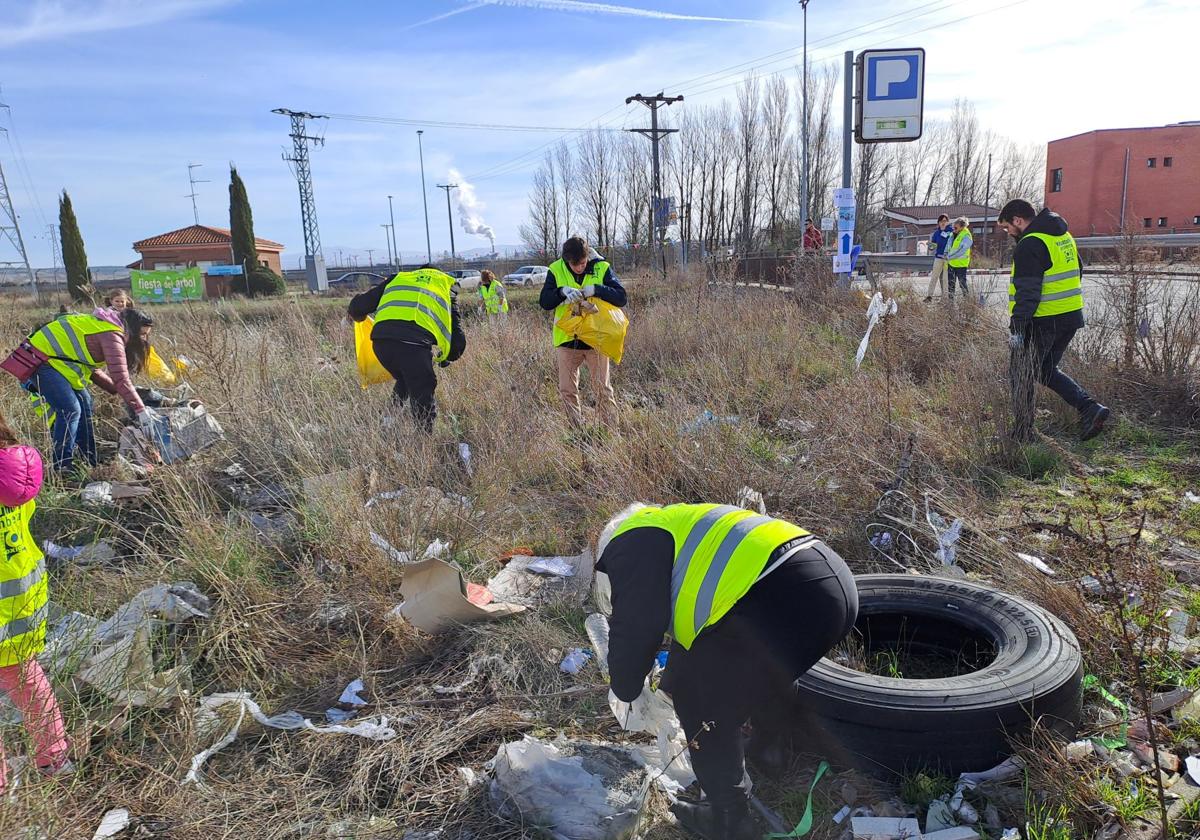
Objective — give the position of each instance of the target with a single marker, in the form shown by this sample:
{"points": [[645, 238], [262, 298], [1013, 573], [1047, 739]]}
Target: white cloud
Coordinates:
{"points": [[590, 8], [46, 20]]}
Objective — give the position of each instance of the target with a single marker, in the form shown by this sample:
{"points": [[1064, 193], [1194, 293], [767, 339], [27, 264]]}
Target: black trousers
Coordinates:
{"points": [[956, 275], [411, 365], [746, 665]]}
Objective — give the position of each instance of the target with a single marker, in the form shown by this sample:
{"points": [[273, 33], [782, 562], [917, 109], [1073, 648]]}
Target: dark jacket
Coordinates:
{"points": [[941, 239], [611, 292], [1031, 260], [408, 332]]}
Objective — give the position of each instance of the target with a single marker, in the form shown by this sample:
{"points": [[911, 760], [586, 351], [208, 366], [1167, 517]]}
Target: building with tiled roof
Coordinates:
{"points": [[202, 246], [908, 227]]}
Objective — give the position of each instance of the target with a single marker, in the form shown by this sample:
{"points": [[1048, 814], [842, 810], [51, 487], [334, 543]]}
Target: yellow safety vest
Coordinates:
{"points": [[64, 340], [494, 299], [965, 259], [720, 551], [1062, 284], [423, 297], [23, 588], [564, 278]]}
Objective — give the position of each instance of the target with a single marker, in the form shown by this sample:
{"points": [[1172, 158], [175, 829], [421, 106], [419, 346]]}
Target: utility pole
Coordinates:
{"points": [[11, 229], [192, 182], [424, 198], [371, 257], [52, 235], [388, 238], [392, 217], [655, 134], [449, 215], [314, 261], [987, 195], [804, 132]]}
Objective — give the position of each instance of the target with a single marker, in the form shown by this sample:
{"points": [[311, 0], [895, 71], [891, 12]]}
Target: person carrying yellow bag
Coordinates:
{"points": [[576, 277]]}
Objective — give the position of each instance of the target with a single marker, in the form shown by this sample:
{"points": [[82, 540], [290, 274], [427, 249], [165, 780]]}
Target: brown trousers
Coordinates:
{"points": [[569, 361]]}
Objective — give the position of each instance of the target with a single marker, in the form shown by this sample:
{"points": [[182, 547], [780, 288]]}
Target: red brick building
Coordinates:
{"points": [[1148, 177], [200, 246]]}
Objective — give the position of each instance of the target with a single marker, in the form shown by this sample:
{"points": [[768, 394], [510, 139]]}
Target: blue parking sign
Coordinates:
{"points": [[891, 95]]}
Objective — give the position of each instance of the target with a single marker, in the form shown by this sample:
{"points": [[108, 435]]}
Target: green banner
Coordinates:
{"points": [[167, 286]]}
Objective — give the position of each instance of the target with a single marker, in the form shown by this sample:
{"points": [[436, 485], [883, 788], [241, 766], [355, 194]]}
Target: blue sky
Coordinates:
{"points": [[111, 99]]}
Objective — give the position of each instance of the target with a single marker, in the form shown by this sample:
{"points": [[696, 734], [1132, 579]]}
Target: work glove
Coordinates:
{"points": [[572, 295], [147, 419], [1016, 341], [589, 290]]}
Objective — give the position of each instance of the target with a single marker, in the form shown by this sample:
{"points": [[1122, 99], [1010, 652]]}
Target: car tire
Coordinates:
{"points": [[888, 726]]}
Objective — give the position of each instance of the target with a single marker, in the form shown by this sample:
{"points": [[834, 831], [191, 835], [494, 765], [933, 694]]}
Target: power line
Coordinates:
{"points": [[457, 125]]}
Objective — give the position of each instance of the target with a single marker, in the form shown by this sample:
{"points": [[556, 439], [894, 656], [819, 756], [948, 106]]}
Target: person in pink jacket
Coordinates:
{"points": [[23, 599], [77, 347]]}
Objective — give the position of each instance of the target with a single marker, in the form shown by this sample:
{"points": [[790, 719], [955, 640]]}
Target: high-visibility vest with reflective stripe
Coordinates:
{"points": [[23, 588], [720, 551], [564, 278], [66, 338], [494, 299], [1062, 284], [423, 297], [965, 259]]}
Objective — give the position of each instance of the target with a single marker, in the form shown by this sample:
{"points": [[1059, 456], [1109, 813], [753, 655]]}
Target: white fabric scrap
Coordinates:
{"points": [[208, 721], [876, 311], [1036, 562], [112, 824]]}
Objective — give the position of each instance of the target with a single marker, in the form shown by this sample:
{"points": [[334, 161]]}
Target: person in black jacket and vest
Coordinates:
{"points": [[581, 274], [751, 603], [1045, 305], [416, 324]]}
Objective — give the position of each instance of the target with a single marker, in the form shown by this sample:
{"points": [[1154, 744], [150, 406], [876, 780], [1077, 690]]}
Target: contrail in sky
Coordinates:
{"points": [[584, 7]]}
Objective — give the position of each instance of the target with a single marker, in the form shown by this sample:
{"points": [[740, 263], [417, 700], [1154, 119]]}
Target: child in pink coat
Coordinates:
{"points": [[23, 599]]}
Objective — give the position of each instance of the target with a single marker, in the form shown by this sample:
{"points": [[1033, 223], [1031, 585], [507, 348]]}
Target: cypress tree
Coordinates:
{"points": [[75, 261], [256, 279]]}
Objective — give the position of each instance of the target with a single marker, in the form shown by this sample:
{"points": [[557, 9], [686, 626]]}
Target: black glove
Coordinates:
{"points": [[443, 364]]}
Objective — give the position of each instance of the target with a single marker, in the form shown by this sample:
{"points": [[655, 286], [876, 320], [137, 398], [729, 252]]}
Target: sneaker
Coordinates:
{"points": [[1091, 422]]}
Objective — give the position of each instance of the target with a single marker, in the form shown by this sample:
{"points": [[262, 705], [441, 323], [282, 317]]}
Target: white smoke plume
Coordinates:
{"points": [[470, 209]]}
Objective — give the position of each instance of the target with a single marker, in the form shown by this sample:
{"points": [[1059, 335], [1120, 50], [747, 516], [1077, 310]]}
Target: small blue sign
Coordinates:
{"points": [[223, 270], [892, 77], [846, 240]]}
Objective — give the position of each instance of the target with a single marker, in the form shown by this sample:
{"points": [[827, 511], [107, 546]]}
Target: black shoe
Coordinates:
{"points": [[1091, 423], [704, 820]]}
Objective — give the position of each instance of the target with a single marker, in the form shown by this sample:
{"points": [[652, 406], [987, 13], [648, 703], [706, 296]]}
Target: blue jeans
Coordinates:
{"points": [[73, 424]]}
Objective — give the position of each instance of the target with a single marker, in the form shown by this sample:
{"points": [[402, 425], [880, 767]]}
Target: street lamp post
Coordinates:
{"points": [[804, 131], [388, 239], [424, 199]]}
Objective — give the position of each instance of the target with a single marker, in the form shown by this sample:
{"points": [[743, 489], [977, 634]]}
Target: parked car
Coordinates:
{"points": [[467, 278], [356, 281], [527, 275]]}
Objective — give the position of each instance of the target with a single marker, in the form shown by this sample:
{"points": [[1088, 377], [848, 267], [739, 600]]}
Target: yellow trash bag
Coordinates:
{"points": [[604, 328], [158, 371], [370, 372]]}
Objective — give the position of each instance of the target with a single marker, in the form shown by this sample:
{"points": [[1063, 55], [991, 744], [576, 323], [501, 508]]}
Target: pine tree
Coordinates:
{"points": [[256, 279], [79, 278]]}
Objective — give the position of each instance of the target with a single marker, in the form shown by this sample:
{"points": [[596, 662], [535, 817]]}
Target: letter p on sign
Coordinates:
{"points": [[892, 78]]}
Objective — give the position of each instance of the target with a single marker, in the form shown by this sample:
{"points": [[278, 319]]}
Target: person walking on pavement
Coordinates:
{"points": [[958, 256], [24, 586], [76, 347], [751, 603], [1045, 306], [813, 238], [491, 292], [577, 276], [940, 239], [416, 324]]}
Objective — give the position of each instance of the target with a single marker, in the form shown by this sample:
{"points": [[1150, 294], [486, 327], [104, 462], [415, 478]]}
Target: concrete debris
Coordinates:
{"points": [[112, 824], [960, 832], [573, 790], [109, 492], [208, 721], [518, 583], [90, 554], [885, 828], [435, 599]]}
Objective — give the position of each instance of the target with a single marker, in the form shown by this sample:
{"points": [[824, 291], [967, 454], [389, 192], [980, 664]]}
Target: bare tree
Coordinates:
{"points": [[541, 233], [965, 142], [824, 146], [749, 157], [779, 158], [596, 179], [566, 190], [634, 183]]}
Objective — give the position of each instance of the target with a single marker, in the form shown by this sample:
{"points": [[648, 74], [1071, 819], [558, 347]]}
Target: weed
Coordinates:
{"points": [[921, 788], [1129, 799], [1048, 822]]}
